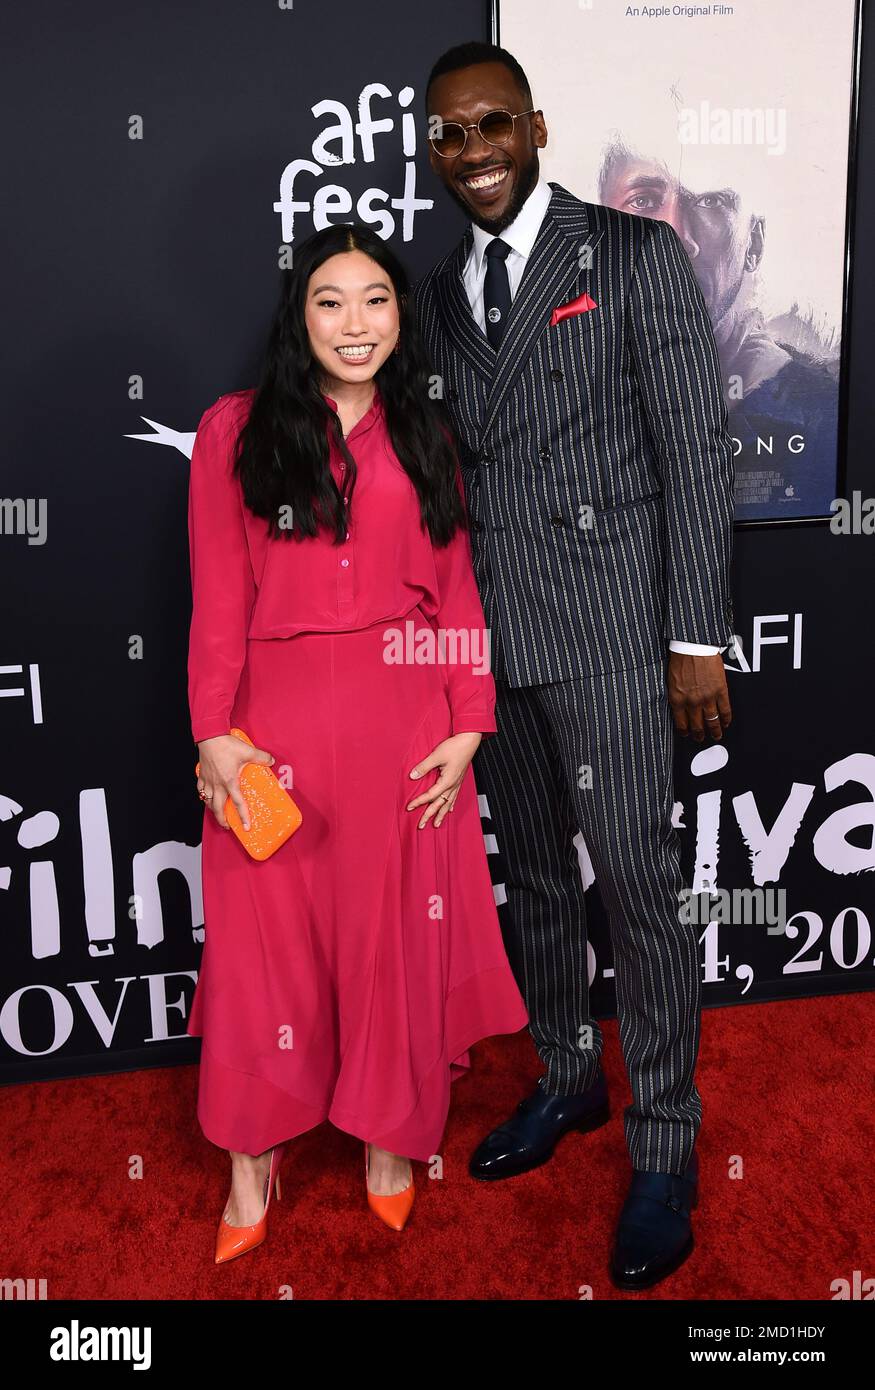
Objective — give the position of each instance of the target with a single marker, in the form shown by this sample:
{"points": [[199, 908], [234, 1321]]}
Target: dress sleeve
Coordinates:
{"points": [[467, 646], [222, 582]]}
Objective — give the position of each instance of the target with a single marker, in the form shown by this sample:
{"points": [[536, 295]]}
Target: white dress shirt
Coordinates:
{"points": [[520, 237]]}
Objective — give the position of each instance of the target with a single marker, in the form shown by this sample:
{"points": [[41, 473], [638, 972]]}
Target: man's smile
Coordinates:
{"points": [[485, 180]]}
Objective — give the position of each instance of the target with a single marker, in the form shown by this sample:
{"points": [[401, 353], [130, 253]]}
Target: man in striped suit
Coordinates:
{"points": [[579, 366]]}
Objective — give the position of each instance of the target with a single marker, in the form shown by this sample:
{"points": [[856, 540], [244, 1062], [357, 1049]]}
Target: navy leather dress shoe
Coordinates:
{"points": [[654, 1234], [531, 1134]]}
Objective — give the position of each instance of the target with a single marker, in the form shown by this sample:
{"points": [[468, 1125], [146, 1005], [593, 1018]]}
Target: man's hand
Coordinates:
{"points": [[698, 695]]}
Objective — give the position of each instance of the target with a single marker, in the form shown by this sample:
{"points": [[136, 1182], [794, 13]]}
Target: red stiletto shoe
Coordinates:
{"points": [[394, 1209], [232, 1241]]}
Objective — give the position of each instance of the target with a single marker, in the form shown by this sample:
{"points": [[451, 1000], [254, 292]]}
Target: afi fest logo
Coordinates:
{"points": [[343, 140]]}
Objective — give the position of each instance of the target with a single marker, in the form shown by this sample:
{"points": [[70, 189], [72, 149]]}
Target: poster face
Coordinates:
{"points": [[732, 123]]}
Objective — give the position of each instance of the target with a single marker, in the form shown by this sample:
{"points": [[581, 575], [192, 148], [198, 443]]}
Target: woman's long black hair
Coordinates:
{"points": [[282, 451]]}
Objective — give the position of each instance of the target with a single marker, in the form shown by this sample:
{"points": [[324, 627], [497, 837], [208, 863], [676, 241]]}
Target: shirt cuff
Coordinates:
{"points": [[212, 728], [475, 724], [693, 648]]}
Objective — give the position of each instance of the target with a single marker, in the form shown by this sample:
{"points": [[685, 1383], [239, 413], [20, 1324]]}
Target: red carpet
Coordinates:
{"points": [[786, 1087]]}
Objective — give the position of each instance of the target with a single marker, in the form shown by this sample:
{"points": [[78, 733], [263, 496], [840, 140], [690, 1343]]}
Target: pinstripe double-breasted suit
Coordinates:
{"points": [[599, 481]]}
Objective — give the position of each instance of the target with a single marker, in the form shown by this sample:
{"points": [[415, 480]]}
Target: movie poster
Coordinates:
{"points": [[731, 122]]}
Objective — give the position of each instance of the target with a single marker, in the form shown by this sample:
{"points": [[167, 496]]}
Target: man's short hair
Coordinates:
{"points": [[466, 55]]}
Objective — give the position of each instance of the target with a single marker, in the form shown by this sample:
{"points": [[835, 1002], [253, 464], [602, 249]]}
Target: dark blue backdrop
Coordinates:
{"points": [[141, 274]]}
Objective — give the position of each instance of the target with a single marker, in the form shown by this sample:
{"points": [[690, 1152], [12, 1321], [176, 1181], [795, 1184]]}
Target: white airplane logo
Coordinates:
{"points": [[176, 439]]}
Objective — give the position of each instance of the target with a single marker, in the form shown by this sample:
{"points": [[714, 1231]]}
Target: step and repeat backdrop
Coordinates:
{"points": [[159, 170]]}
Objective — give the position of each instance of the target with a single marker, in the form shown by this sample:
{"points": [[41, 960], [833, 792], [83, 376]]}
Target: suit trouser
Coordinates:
{"points": [[533, 773]]}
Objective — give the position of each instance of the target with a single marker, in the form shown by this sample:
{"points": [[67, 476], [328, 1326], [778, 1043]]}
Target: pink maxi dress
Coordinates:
{"points": [[345, 977]]}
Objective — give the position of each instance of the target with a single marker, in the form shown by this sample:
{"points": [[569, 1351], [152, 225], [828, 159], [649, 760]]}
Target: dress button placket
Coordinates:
{"points": [[344, 580]]}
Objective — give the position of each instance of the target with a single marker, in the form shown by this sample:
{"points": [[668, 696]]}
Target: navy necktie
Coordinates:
{"points": [[496, 290]]}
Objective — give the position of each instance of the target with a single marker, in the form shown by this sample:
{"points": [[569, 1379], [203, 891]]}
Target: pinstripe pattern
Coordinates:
{"points": [[619, 410], [619, 724]]}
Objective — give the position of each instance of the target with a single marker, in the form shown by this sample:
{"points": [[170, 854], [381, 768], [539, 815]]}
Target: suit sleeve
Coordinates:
{"points": [[678, 372], [471, 687], [222, 582]]}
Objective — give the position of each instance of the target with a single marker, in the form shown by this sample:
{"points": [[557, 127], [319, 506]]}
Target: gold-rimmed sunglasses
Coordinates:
{"points": [[496, 128]]}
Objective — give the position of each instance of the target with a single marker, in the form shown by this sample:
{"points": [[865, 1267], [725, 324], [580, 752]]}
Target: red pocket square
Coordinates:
{"points": [[581, 305]]}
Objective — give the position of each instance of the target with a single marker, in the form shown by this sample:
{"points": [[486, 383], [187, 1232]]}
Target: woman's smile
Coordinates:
{"points": [[359, 353]]}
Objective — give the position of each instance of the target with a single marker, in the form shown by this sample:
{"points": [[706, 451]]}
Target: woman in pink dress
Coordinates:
{"points": [[336, 621]]}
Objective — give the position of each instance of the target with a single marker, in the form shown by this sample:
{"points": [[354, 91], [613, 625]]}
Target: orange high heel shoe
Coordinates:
{"points": [[394, 1209], [232, 1241]]}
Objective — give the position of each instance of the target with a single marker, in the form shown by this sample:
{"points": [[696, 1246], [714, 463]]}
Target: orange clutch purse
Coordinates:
{"points": [[273, 815]]}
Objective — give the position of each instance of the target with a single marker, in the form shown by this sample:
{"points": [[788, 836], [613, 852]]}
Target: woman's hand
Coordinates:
{"points": [[452, 757], [221, 759]]}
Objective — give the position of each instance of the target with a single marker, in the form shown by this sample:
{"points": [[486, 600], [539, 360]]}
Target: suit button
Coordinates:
{"points": [[476, 526], [556, 375], [452, 394], [486, 459], [544, 453], [558, 520]]}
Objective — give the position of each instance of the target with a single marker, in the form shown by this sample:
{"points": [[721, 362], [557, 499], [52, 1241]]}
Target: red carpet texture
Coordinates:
{"points": [[109, 1189]]}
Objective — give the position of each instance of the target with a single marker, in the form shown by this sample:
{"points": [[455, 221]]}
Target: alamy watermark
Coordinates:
{"points": [[426, 646], [853, 516], [24, 516], [737, 907]]}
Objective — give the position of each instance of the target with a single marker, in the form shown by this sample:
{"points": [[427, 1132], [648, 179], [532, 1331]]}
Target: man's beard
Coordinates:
{"points": [[527, 178]]}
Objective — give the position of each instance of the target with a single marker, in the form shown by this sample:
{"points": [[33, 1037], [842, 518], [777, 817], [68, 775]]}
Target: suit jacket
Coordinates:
{"points": [[594, 450]]}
